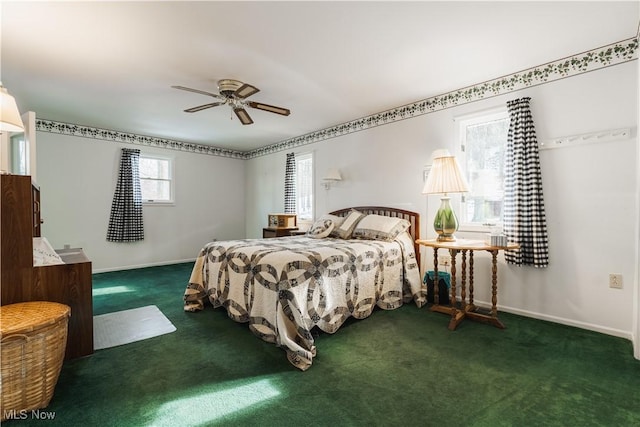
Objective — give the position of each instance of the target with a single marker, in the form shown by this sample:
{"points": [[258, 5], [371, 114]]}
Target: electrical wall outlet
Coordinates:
{"points": [[615, 281]]}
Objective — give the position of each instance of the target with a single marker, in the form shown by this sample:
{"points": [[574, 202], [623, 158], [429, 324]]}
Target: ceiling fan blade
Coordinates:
{"points": [[202, 92], [243, 116], [202, 107], [245, 90], [269, 108]]}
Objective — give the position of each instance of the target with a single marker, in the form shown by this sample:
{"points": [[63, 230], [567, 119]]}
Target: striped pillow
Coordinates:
{"points": [[378, 227], [350, 221]]}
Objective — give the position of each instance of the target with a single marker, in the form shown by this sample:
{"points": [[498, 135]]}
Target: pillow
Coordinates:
{"points": [[350, 221], [43, 253], [321, 228], [337, 222], [378, 227]]}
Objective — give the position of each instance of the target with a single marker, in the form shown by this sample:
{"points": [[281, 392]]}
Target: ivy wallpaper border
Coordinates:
{"points": [[130, 138], [609, 55], [606, 56]]}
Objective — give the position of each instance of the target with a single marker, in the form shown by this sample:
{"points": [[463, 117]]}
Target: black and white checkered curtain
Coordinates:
{"points": [[524, 218], [125, 222], [290, 184]]}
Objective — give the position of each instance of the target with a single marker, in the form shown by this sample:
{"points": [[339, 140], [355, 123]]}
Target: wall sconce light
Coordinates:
{"points": [[333, 176], [10, 120]]}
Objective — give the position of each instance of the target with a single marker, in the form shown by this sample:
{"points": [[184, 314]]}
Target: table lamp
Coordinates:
{"points": [[10, 120], [445, 177]]}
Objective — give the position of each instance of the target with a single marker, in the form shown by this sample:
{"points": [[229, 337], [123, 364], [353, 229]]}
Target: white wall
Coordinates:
{"points": [[77, 178], [590, 194]]}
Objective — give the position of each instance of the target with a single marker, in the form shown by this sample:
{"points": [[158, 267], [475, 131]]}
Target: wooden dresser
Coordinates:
{"points": [[20, 281]]}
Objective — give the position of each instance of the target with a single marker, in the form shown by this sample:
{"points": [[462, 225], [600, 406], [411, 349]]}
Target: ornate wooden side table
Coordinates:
{"points": [[464, 309]]}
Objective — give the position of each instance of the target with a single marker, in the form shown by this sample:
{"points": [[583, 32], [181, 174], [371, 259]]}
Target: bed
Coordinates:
{"points": [[348, 263]]}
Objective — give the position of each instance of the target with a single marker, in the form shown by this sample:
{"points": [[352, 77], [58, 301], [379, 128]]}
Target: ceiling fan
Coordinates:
{"points": [[234, 93]]}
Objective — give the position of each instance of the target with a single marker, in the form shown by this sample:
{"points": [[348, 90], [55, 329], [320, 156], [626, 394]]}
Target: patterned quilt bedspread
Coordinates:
{"points": [[284, 287]]}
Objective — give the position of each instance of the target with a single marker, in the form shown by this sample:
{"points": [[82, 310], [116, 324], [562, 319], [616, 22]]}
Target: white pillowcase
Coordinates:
{"points": [[337, 222], [321, 228], [350, 221], [43, 253], [378, 227]]}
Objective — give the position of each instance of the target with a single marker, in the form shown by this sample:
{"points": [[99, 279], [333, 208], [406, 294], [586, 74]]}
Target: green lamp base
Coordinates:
{"points": [[445, 222]]}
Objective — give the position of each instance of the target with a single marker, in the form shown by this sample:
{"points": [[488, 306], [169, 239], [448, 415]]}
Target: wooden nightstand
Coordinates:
{"points": [[268, 232]]}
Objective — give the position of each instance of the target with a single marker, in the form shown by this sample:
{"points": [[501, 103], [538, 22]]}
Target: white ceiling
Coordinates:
{"points": [[111, 65]]}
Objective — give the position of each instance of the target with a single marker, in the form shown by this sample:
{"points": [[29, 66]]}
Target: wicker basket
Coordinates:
{"points": [[33, 340]]}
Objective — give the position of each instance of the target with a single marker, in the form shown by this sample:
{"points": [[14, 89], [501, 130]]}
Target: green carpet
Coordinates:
{"points": [[396, 368]]}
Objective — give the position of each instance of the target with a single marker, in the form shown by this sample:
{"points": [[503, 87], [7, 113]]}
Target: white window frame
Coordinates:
{"points": [[300, 157], [20, 155], [462, 123], [171, 179]]}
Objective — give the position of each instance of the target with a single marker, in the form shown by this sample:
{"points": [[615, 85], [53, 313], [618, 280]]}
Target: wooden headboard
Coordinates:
{"points": [[412, 217]]}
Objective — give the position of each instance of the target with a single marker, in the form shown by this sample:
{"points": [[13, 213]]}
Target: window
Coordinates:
{"points": [[304, 186], [483, 142], [156, 179], [19, 154]]}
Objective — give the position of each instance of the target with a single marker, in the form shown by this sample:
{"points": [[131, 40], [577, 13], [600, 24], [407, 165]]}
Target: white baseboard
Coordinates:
{"points": [[133, 267], [561, 320]]}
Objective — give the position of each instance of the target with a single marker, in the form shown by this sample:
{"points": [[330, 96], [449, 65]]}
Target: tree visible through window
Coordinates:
{"points": [[483, 143], [156, 179], [304, 186]]}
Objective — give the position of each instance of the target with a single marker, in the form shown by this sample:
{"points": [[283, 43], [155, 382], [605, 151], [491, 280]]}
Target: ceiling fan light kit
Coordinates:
{"points": [[234, 94], [229, 87]]}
